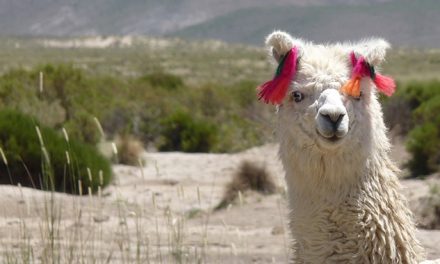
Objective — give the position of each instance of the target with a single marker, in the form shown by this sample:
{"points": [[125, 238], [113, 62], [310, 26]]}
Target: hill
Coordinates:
{"points": [[405, 23], [85, 17]]}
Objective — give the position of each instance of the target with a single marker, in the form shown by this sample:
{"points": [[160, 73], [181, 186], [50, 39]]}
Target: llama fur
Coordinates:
{"points": [[343, 194]]}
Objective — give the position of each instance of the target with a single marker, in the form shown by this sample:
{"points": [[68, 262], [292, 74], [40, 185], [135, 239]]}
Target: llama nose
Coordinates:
{"points": [[333, 118]]}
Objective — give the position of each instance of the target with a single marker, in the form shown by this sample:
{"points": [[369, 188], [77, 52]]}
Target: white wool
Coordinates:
{"points": [[344, 198]]}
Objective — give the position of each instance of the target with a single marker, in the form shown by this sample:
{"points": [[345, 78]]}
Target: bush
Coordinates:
{"points": [[163, 80], [139, 106], [249, 176], [424, 138], [56, 165], [181, 132], [427, 209], [130, 150], [83, 127], [245, 93], [397, 113]]}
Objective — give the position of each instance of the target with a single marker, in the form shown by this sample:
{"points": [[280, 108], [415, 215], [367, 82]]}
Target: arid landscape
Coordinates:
{"points": [[132, 132], [163, 213]]}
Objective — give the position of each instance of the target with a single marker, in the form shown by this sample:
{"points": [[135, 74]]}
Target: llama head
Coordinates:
{"points": [[315, 115]]}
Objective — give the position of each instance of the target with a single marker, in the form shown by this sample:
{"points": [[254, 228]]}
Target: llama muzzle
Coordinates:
{"points": [[331, 118]]}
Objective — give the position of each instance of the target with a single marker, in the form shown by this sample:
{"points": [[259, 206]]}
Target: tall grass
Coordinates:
{"points": [[110, 227]]}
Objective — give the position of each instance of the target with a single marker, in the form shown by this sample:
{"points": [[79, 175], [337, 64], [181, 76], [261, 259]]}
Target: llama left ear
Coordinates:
{"points": [[364, 57], [373, 50]]}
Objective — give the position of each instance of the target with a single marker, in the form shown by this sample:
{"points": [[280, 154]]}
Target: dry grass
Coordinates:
{"points": [[76, 229], [130, 150], [429, 209], [249, 176]]}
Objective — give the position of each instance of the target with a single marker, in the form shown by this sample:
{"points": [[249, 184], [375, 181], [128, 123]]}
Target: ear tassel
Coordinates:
{"points": [[361, 69], [352, 87], [275, 90], [385, 84]]}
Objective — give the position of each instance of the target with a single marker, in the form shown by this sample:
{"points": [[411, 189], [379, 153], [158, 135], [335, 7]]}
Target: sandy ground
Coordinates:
{"points": [[162, 212]]}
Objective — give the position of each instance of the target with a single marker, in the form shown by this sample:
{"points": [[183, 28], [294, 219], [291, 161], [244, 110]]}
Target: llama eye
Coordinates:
{"points": [[297, 96]]}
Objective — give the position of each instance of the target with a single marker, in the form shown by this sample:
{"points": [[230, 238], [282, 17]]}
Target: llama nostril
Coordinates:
{"points": [[333, 118], [338, 120], [332, 124]]}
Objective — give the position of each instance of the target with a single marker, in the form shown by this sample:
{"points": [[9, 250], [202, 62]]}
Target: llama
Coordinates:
{"points": [[343, 191]]}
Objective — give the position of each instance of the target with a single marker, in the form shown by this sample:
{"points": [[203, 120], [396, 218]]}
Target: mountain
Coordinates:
{"points": [[152, 17], [404, 22]]}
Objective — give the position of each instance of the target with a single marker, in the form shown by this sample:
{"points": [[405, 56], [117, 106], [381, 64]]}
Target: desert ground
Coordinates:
{"points": [[163, 213]]}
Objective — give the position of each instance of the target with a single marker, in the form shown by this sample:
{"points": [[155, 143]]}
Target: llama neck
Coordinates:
{"points": [[361, 204], [313, 174]]}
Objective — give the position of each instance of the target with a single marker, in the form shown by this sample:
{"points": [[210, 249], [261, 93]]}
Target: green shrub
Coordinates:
{"points": [[163, 80], [83, 127], [424, 139], [245, 93], [424, 145], [419, 92], [139, 106], [397, 113], [65, 164], [181, 132]]}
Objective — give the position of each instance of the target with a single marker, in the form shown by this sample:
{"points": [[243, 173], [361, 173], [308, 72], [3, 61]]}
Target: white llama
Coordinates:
{"points": [[342, 186]]}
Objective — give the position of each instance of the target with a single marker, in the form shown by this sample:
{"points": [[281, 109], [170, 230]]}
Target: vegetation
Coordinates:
{"points": [[181, 132], [424, 139], [130, 150], [142, 92], [144, 107], [194, 62], [428, 209], [249, 176], [37, 156], [418, 105], [216, 110]]}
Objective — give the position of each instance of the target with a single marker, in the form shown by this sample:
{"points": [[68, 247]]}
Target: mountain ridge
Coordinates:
{"points": [[404, 22], [408, 24]]}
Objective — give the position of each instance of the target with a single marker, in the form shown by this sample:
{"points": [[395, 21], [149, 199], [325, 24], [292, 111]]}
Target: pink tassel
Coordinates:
{"points": [[362, 69], [275, 90], [385, 84], [359, 67]]}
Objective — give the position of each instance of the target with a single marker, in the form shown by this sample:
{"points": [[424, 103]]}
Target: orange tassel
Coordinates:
{"points": [[352, 87], [361, 69]]}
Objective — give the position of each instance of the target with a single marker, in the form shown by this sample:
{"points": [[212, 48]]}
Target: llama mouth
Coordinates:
{"points": [[332, 140]]}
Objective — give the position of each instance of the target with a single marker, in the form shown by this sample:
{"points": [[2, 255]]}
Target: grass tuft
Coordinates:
{"points": [[130, 150], [249, 176]]}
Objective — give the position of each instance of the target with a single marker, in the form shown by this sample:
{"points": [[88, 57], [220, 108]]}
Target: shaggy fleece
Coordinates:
{"points": [[343, 188]]}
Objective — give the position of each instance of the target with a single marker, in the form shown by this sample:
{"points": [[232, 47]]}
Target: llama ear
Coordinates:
{"points": [[364, 56], [280, 42], [373, 50]]}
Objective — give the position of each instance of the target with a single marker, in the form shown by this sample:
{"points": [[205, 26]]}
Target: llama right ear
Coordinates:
{"points": [[285, 51], [280, 42]]}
